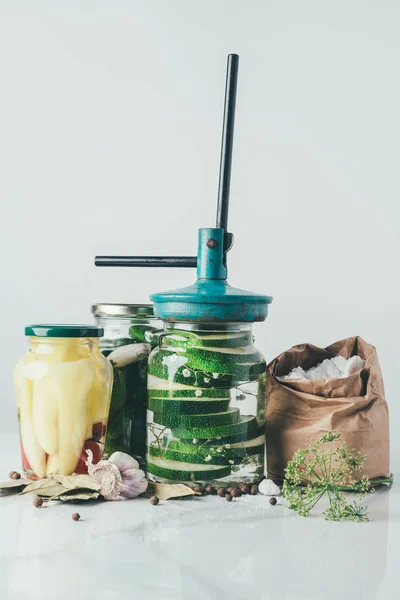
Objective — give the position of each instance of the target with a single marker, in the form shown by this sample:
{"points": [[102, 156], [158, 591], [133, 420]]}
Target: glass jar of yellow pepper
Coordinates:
{"points": [[63, 389]]}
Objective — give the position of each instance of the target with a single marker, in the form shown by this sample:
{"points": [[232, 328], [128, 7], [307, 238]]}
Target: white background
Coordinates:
{"points": [[110, 121]]}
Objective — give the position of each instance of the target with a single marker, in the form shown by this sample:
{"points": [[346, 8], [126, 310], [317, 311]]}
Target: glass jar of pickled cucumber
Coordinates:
{"points": [[130, 331], [206, 403], [63, 389]]}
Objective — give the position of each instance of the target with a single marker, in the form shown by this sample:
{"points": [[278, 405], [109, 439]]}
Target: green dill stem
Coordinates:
{"points": [[325, 468], [330, 460], [311, 504], [316, 475]]}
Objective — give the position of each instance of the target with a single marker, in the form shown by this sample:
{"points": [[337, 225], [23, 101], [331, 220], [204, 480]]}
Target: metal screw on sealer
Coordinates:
{"points": [[218, 377]]}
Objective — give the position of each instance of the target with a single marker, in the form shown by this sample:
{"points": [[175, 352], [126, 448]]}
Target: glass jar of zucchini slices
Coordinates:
{"points": [[130, 331], [206, 403], [63, 390]]}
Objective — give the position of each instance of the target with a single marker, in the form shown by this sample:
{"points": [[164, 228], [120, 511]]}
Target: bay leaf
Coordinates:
{"points": [[165, 491], [53, 486], [77, 495], [40, 484], [13, 486], [72, 482]]}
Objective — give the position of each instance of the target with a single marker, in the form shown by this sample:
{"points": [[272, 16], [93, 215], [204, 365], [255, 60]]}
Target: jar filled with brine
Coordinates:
{"points": [[130, 332], [63, 389], [206, 404]]}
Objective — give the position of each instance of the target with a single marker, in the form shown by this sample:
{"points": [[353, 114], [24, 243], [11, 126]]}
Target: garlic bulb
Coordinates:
{"points": [[269, 488], [133, 478], [119, 477]]}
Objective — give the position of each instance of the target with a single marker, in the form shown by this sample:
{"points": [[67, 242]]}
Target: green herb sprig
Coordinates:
{"points": [[326, 471]]}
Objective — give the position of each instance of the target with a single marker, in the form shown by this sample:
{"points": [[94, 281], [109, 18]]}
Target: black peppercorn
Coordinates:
{"points": [[154, 500], [211, 490], [273, 501], [245, 489], [228, 497], [199, 490], [236, 493], [37, 501], [221, 492], [254, 490], [14, 475]]}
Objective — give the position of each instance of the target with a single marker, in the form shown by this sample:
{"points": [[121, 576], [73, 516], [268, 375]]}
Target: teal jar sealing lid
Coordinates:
{"points": [[64, 331]]}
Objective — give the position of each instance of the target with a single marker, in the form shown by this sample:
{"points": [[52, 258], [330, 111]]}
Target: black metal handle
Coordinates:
{"points": [[223, 188], [146, 261], [226, 148]]}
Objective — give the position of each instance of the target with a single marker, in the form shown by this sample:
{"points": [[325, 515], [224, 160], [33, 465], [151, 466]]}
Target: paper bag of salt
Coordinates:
{"points": [[300, 410]]}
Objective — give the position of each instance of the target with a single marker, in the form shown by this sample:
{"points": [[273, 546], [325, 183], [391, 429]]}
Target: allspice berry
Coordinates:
{"points": [[273, 500], [14, 475], [76, 516], [37, 501], [228, 497], [236, 493], [211, 490], [154, 500], [221, 492], [245, 489], [199, 490], [254, 490]]}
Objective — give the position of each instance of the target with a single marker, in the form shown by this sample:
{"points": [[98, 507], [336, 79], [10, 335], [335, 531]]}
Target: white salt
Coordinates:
{"points": [[331, 368], [269, 488]]}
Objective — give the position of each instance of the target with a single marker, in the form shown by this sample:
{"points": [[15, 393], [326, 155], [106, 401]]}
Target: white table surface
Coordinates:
{"points": [[193, 549]]}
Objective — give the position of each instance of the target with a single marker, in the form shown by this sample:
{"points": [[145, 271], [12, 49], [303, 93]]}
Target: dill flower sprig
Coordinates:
{"points": [[325, 469]]}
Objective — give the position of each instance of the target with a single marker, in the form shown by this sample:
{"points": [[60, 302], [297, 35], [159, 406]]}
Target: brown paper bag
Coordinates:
{"points": [[300, 411]]}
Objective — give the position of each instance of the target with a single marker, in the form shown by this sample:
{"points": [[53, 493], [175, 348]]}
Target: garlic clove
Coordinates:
{"points": [[134, 485], [107, 475], [123, 461]]}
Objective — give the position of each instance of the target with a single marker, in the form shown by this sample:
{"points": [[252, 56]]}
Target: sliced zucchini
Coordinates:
{"points": [[192, 456], [145, 333], [185, 375], [188, 406], [181, 471], [186, 339], [187, 392], [210, 420], [231, 439], [245, 426], [252, 446]]}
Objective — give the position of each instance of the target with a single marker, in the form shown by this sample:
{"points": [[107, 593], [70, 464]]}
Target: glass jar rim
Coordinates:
{"points": [[123, 310], [63, 331]]}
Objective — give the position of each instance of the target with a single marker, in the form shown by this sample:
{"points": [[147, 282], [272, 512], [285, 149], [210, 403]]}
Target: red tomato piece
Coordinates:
{"points": [[99, 430]]}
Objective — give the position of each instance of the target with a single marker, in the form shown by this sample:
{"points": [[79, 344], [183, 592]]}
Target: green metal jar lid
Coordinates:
{"points": [[64, 331], [123, 310]]}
